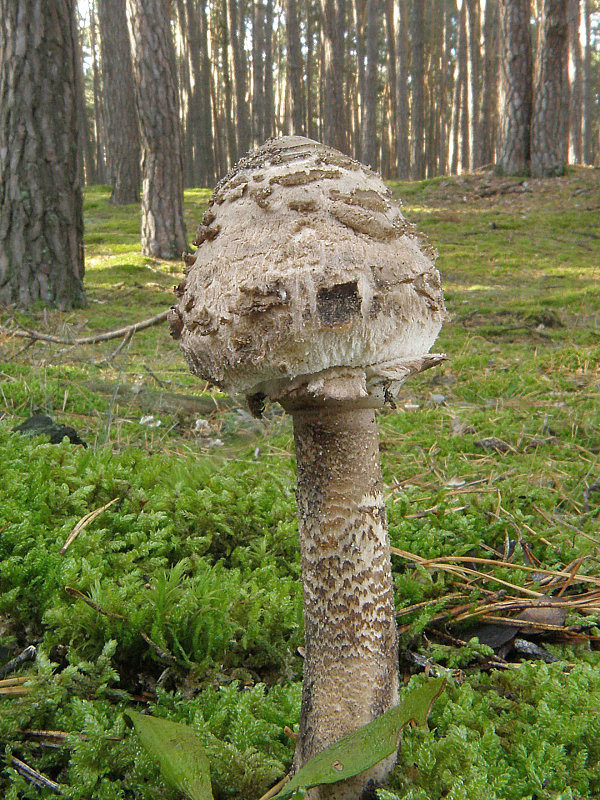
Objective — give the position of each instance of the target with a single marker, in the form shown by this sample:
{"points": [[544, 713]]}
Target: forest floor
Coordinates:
{"points": [[183, 596]]}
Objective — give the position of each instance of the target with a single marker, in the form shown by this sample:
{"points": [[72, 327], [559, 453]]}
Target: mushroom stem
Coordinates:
{"points": [[351, 642]]}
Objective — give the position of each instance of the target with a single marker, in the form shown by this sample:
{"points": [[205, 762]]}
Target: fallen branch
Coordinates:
{"points": [[31, 775], [25, 655], [128, 330]]}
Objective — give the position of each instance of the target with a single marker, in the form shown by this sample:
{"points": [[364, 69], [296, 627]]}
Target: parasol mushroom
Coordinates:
{"points": [[310, 288]]}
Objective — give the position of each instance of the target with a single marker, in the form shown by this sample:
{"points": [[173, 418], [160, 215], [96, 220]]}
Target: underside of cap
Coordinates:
{"points": [[308, 280]]}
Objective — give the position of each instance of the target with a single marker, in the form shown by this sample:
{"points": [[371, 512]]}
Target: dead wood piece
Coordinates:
{"points": [[25, 655], [533, 650], [128, 330], [31, 775]]}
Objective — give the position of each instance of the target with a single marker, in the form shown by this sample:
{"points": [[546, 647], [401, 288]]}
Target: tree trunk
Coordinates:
{"points": [[474, 35], [203, 100], [443, 110], [225, 71], [359, 11], [575, 83], [311, 127], [489, 107], [369, 129], [258, 72], [269, 97], [41, 210], [351, 677], [417, 117], [463, 74], [163, 228], [391, 83], [334, 118], [294, 66], [98, 115], [85, 151], [122, 133], [588, 153], [402, 124], [455, 123], [182, 56], [514, 153], [240, 72], [549, 128]]}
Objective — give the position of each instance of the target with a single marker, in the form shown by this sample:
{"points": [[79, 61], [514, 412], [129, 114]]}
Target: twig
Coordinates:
{"points": [[164, 655], [461, 571], [161, 383], [506, 564], [81, 596], [277, 788], [84, 522], [31, 775], [62, 736], [15, 686], [25, 655], [25, 333], [126, 339]]}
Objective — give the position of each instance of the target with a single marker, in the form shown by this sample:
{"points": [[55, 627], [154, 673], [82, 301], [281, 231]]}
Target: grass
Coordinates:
{"points": [[184, 596]]}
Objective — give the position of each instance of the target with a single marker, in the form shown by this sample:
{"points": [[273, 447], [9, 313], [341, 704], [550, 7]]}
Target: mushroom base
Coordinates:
{"points": [[351, 663]]}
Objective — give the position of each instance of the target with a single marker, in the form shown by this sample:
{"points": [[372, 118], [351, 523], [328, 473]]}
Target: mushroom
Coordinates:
{"points": [[310, 288]]}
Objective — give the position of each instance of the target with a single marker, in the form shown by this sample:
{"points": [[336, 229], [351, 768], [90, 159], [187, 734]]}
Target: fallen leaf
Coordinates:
{"points": [[367, 746]]}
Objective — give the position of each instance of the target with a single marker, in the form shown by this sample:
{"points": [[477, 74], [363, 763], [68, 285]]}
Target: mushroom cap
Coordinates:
{"points": [[307, 280]]}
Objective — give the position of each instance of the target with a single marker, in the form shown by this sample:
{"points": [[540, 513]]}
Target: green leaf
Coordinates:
{"points": [[182, 760], [365, 747]]}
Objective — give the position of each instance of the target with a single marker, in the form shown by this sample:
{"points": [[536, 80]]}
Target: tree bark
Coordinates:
{"points": [[391, 84], [588, 153], [575, 83], [225, 71], [549, 128], [334, 118], [515, 88], [463, 74], [311, 127], [294, 66], [203, 100], [474, 83], [269, 128], [98, 109], [86, 157], [41, 209], [417, 117], [163, 228], [369, 128], [359, 13], [489, 106], [443, 110], [258, 72], [240, 72], [122, 132], [402, 124], [351, 661], [455, 123]]}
